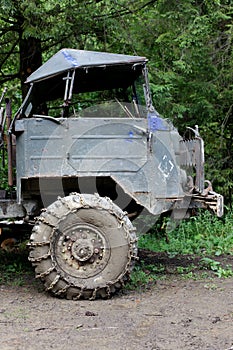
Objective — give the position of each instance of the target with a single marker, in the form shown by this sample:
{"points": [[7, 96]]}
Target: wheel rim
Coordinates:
{"points": [[83, 246], [81, 250]]}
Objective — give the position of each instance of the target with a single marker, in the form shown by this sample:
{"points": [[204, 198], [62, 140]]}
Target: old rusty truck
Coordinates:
{"points": [[87, 153]]}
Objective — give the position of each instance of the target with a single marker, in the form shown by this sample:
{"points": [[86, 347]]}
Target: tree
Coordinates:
{"points": [[188, 43], [36, 29]]}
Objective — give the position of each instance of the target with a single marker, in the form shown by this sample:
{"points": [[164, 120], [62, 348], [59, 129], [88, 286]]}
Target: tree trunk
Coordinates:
{"points": [[30, 59]]}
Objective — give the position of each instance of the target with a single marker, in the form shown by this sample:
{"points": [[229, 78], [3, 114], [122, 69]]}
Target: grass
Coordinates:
{"points": [[144, 275], [15, 268], [205, 235], [205, 242]]}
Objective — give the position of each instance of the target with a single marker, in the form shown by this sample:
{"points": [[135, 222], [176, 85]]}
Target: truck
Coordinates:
{"points": [[89, 159]]}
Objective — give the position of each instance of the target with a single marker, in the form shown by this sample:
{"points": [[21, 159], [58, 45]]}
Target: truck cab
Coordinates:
{"points": [[91, 155]]}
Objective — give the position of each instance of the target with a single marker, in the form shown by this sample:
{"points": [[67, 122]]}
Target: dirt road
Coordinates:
{"points": [[174, 314]]}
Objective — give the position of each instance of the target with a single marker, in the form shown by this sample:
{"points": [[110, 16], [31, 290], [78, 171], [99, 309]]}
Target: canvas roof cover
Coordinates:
{"points": [[69, 59]]}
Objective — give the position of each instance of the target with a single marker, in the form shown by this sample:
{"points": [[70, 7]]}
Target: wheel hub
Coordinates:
{"points": [[82, 250]]}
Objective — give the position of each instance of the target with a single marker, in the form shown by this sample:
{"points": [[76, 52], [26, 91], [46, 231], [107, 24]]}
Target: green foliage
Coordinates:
{"points": [[15, 267], [203, 235], [219, 162], [3, 177], [4, 173], [188, 43], [190, 49], [145, 275], [215, 266], [200, 239]]}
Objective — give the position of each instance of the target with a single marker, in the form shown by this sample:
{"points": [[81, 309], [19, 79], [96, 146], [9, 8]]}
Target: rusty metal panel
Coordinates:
{"points": [[79, 146], [192, 156], [10, 209], [142, 163]]}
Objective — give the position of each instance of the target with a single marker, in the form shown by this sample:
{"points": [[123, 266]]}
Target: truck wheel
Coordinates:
{"points": [[83, 246]]}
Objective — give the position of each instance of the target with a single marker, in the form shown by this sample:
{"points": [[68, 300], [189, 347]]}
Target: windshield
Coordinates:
{"points": [[126, 101]]}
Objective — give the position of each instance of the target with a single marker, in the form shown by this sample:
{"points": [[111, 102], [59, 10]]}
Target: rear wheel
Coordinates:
{"points": [[83, 246]]}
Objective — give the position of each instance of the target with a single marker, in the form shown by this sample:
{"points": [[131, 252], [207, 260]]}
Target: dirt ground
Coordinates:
{"points": [[172, 314]]}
